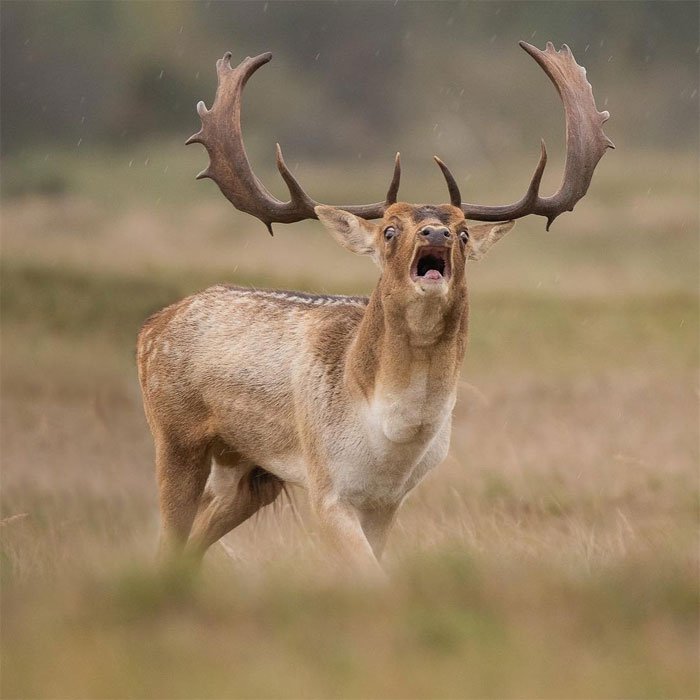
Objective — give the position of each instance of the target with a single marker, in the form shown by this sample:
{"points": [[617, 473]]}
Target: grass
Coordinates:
{"points": [[449, 628], [553, 554], [78, 304]]}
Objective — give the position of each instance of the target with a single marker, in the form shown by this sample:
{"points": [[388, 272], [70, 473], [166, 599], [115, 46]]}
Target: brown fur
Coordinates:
{"points": [[246, 390]]}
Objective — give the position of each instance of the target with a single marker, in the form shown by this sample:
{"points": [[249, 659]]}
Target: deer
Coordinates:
{"points": [[247, 390]]}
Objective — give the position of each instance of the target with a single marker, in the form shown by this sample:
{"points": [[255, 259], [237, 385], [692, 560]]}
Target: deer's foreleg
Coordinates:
{"points": [[342, 529], [376, 524]]}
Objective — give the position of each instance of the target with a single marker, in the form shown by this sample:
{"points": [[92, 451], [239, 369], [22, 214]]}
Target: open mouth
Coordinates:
{"points": [[431, 264]]}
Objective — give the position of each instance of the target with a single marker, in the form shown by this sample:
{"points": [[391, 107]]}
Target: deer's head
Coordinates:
{"points": [[422, 249]]}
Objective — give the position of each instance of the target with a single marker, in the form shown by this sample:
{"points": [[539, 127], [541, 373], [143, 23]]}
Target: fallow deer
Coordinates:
{"points": [[246, 390]]}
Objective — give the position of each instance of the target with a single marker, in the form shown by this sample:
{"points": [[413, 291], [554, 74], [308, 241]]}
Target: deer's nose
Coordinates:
{"points": [[436, 235]]}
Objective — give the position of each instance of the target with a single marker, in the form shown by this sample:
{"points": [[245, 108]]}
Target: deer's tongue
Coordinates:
{"points": [[432, 275]]}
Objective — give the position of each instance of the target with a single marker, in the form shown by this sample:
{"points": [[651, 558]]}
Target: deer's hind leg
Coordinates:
{"points": [[233, 494], [182, 472]]}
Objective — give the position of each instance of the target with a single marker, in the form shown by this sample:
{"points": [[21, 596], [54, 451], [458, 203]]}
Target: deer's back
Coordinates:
{"points": [[236, 364]]}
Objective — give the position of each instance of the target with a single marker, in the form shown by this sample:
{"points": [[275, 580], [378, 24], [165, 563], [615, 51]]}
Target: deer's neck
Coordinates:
{"points": [[405, 358]]}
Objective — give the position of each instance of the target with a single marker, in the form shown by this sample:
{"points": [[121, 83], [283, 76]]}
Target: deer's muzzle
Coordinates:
{"points": [[431, 264]]}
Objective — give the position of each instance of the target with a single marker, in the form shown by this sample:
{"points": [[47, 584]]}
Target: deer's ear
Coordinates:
{"points": [[483, 236], [349, 230]]}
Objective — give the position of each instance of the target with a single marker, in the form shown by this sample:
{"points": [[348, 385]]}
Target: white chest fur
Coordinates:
{"points": [[412, 413], [400, 436]]}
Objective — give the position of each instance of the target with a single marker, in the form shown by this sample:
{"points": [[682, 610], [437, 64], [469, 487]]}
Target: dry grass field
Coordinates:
{"points": [[554, 554]]}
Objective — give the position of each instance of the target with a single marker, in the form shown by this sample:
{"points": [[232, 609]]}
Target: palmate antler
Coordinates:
{"points": [[585, 145], [230, 169]]}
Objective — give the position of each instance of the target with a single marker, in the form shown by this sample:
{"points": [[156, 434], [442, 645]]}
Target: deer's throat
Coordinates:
{"points": [[397, 342]]}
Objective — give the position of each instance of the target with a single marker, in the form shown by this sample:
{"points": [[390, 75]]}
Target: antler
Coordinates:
{"points": [[585, 145], [230, 168]]}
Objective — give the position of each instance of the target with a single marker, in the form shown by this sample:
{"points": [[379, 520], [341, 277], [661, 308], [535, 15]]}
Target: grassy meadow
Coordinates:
{"points": [[554, 554]]}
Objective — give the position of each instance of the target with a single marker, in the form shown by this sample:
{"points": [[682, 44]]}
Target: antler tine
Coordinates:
{"points": [[393, 191], [533, 190], [296, 191], [452, 187], [230, 168], [586, 143], [228, 165]]}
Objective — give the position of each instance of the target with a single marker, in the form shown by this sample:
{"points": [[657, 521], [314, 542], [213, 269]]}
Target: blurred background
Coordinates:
{"points": [[554, 554]]}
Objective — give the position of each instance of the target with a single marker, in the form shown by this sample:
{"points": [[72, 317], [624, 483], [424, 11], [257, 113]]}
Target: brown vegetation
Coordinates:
{"points": [[553, 554]]}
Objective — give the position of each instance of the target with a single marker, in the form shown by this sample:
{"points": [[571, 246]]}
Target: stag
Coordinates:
{"points": [[351, 398]]}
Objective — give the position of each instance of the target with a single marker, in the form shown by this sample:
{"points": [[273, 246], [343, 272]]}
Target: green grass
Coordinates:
{"points": [[508, 329], [453, 625], [578, 335]]}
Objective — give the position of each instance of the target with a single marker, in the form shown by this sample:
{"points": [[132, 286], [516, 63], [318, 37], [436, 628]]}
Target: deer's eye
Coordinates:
{"points": [[389, 232], [464, 236]]}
